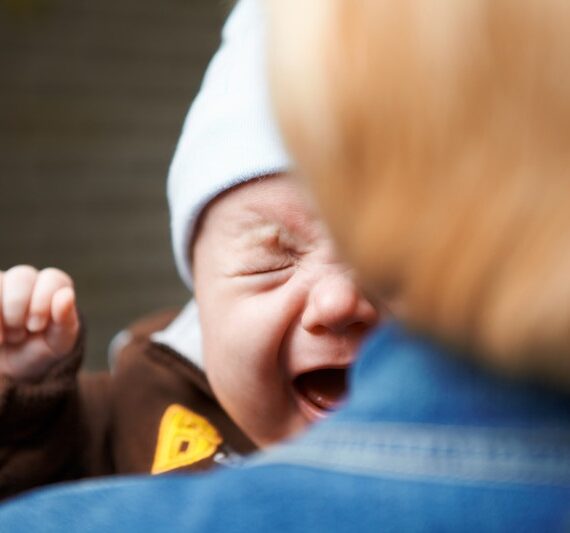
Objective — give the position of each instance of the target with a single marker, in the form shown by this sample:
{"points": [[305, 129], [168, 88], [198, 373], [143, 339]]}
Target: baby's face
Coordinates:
{"points": [[281, 317]]}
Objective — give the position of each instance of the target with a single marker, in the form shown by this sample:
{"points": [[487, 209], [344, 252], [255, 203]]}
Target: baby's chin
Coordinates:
{"points": [[297, 422]]}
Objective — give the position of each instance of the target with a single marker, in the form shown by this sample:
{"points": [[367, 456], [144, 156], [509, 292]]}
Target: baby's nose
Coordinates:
{"points": [[336, 304]]}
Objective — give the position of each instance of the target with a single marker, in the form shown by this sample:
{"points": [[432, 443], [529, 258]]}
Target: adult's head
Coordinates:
{"points": [[436, 136]]}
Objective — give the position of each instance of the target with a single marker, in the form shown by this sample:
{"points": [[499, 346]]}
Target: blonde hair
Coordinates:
{"points": [[436, 137]]}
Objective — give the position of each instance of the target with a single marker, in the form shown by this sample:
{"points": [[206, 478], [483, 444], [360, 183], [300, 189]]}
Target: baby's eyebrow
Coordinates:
{"points": [[267, 235], [265, 229]]}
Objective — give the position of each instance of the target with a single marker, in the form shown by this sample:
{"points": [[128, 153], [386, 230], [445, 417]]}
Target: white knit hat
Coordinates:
{"points": [[229, 135]]}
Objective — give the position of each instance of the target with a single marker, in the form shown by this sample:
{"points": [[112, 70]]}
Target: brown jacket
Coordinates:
{"points": [[154, 413]]}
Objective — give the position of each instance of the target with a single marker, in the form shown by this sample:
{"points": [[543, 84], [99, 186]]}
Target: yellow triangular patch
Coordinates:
{"points": [[184, 438]]}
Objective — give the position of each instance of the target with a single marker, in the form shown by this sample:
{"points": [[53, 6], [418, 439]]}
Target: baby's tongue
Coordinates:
{"points": [[323, 388]]}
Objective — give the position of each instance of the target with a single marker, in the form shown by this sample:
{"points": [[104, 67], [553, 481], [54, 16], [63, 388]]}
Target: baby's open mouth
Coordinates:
{"points": [[324, 388]]}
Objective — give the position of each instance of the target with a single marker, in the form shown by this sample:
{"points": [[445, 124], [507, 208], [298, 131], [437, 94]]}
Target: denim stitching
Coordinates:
{"points": [[452, 453]]}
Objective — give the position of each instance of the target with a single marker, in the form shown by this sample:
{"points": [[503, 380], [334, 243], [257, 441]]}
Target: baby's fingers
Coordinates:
{"points": [[48, 283], [62, 332], [63, 309], [17, 287]]}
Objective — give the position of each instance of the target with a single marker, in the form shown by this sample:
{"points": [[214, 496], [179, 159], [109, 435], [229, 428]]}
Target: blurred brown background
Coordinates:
{"points": [[92, 99]]}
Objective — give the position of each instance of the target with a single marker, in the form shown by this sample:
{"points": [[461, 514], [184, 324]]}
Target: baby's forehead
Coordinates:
{"points": [[270, 218], [267, 209]]}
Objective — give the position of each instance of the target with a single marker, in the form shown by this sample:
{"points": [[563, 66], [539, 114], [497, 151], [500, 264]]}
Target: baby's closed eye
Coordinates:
{"points": [[265, 272], [269, 250], [268, 263]]}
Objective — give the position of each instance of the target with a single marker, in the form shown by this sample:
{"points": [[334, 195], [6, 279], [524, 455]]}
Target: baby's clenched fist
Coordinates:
{"points": [[38, 321]]}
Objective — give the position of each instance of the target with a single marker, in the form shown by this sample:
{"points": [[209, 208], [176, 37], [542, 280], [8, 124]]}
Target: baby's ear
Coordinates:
{"points": [[194, 232], [191, 247]]}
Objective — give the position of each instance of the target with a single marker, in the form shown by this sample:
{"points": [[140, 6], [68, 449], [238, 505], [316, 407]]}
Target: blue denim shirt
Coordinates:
{"points": [[426, 442]]}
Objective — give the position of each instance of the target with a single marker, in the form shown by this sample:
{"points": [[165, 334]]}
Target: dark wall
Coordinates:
{"points": [[92, 98]]}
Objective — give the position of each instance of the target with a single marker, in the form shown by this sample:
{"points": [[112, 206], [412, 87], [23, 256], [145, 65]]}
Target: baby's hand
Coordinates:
{"points": [[38, 321]]}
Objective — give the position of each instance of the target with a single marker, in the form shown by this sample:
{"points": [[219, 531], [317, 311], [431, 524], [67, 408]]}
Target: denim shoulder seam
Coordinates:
{"points": [[455, 454]]}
